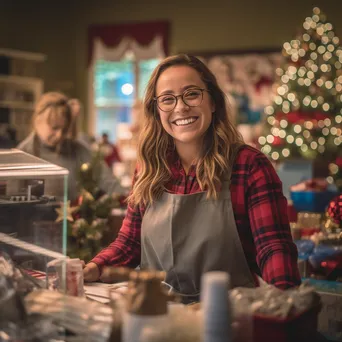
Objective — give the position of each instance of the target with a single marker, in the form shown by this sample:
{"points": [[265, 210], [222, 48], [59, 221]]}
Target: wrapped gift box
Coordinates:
{"points": [[313, 201], [294, 171], [302, 327]]}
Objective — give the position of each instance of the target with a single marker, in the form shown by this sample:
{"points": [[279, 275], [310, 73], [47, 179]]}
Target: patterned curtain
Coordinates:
{"points": [[145, 40]]}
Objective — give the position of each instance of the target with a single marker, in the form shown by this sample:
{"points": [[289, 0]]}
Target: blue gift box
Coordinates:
{"points": [[312, 201]]}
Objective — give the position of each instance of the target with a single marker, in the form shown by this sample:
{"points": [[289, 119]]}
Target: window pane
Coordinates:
{"points": [[108, 119], [114, 83], [145, 71]]}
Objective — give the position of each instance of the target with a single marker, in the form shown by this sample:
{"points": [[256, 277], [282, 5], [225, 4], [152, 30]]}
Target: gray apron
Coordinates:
{"points": [[188, 235]]}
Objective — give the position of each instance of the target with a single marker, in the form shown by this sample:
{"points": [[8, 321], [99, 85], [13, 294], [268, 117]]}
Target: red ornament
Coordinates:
{"points": [[338, 162], [278, 141], [334, 210], [263, 81]]}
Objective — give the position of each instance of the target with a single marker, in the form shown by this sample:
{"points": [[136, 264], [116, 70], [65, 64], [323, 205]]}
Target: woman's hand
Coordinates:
{"points": [[91, 272]]}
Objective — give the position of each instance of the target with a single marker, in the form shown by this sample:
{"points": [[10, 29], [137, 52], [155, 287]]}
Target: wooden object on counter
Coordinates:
{"points": [[145, 295]]}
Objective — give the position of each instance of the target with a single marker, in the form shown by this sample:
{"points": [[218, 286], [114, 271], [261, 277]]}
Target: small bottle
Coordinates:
{"points": [[216, 308]]}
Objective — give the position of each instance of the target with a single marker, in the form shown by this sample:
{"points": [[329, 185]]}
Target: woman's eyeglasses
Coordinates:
{"points": [[191, 97]]}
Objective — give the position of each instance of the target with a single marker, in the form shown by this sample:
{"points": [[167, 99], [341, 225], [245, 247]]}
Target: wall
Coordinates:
{"points": [[59, 29], [44, 27]]}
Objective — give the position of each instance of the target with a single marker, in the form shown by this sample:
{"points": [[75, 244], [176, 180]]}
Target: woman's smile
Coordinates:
{"points": [[185, 121]]}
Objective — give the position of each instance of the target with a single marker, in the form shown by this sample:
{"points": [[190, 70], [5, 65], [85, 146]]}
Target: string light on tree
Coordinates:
{"points": [[305, 117]]}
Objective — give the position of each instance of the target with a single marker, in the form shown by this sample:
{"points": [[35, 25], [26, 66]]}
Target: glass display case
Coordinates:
{"points": [[33, 210]]}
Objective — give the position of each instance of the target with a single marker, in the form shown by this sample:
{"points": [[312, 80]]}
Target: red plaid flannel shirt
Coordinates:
{"points": [[260, 210]]}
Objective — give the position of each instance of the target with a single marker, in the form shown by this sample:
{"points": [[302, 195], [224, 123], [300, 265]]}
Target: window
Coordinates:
{"points": [[116, 86]]}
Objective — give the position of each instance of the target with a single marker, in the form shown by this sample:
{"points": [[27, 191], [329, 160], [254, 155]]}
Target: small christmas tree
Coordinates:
{"points": [[88, 218], [305, 118]]}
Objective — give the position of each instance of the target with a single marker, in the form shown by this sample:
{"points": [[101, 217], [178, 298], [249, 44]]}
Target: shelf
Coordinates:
{"points": [[29, 56], [17, 105], [20, 80], [20, 88]]}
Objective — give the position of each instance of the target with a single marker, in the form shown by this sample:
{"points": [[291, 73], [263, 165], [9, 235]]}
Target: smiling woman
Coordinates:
{"points": [[186, 121], [201, 200]]}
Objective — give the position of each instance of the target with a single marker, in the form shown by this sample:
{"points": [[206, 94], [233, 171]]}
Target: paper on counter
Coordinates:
{"points": [[103, 293]]}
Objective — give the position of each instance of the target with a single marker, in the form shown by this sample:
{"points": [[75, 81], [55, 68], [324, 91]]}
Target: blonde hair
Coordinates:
{"points": [[58, 105], [76, 111], [154, 143]]}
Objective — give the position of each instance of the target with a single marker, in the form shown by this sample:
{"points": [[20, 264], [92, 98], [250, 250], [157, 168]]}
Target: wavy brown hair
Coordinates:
{"points": [[154, 143]]}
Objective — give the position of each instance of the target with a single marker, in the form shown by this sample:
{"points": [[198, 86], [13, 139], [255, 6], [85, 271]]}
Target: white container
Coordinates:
{"points": [[216, 309]]}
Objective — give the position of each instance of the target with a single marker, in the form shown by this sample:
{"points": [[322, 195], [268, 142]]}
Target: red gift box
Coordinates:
{"points": [[301, 327], [307, 232]]}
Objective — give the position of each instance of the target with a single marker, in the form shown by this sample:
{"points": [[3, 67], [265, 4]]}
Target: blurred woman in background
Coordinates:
{"points": [[54, 139]]}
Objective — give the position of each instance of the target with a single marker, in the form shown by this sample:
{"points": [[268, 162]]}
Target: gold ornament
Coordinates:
{"points": [[85, 167], [69, 212], [330, 226], [86, 195]]}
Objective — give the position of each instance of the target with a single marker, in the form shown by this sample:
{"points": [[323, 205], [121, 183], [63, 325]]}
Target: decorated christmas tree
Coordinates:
{"points": [[88, 218], [305, 117]]}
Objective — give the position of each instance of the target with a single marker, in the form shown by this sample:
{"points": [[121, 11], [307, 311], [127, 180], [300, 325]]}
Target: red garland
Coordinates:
{"points": [[298, 117]]}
